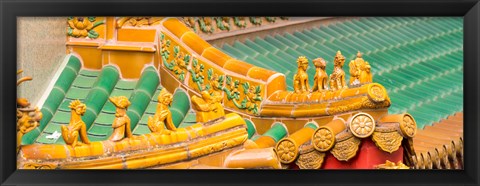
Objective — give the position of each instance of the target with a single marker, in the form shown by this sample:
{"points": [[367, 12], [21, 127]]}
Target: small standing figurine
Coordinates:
{"points": [[337, 78], [208, 107], [359, 71], [121, 123], [300, 80], [76, 127], [366, 75], [320, 80], [163, 116]]}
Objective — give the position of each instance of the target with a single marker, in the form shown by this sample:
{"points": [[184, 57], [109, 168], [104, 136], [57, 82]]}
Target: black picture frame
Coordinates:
{"points": [[10, 10]]}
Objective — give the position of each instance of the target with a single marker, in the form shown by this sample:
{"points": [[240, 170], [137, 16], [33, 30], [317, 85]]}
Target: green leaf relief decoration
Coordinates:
{"points": [[240, 22], [196, 73], [164, 44], [256, 20], [220, 23], [209, 74], [271, 19], [251, 96], [205, 27], [70, 31], [93, 34]]}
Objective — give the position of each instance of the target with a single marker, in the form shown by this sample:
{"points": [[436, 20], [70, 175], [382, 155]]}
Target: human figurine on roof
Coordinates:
{"points": [[321, 77], [121, 123], [359, 71], [208, 106], [300, 79], [337, 78], [163, 116], [76, 127]]}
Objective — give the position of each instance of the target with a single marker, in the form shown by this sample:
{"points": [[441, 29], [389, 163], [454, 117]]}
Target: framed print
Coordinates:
{"points": [[239, 93]]}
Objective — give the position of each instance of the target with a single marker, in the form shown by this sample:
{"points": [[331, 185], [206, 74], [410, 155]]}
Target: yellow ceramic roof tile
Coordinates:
{"points": [[176, 27], [216, 56], [238, 66], [260, 73], [195, 42]]}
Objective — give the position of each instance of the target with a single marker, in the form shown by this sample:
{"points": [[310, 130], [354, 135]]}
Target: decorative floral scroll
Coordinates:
{"points": [[82, 27], [251, 95]]}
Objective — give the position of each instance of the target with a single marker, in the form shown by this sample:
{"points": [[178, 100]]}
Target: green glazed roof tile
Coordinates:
{"points": [[104, 118], [52, 127], [77, 93], [61, 117], [90, 73], [191, 117], [151, 108], [124, 84], [108, 108], [100, 130], [144, 119], [141, 129], [65, 106], [43, 139], [121, 92], [30, 137], [98, 137], [414, 54], [155, 96], [84, 81]]}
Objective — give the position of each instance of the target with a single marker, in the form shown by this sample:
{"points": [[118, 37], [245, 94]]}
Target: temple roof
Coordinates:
{"points": [[418, 60], [93, 88]]}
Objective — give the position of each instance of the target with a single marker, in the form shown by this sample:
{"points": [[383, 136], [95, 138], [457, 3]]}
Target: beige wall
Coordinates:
{"points": [[40, 51]]}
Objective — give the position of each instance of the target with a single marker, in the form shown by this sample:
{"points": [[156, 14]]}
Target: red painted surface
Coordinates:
{"points": [[367, 157]]}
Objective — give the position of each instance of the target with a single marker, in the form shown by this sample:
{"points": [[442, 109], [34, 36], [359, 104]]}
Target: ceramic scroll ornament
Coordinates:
{"points": [[191, 22], [163, 116], [337, 78], [82, 27], [179, 65], [223, 23], [300, 80], [321, 77], [240, 22], [28, 118], [76, 128], [121, 123], [359, 71], [206, 24], [197, 73], [137, 21]]}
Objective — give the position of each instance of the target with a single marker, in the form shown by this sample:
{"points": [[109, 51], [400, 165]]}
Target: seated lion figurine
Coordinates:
{"points": [[321, 77], [76, 127], [121, 123], [163, 116]]}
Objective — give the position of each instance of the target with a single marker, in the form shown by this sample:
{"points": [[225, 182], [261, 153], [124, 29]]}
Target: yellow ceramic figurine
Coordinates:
{"points": [[121, 124], [27, 117], [359, 71], [76, 127], [337, 78], [163, 116], [300, 80], [209, 106], [320, 80]]}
